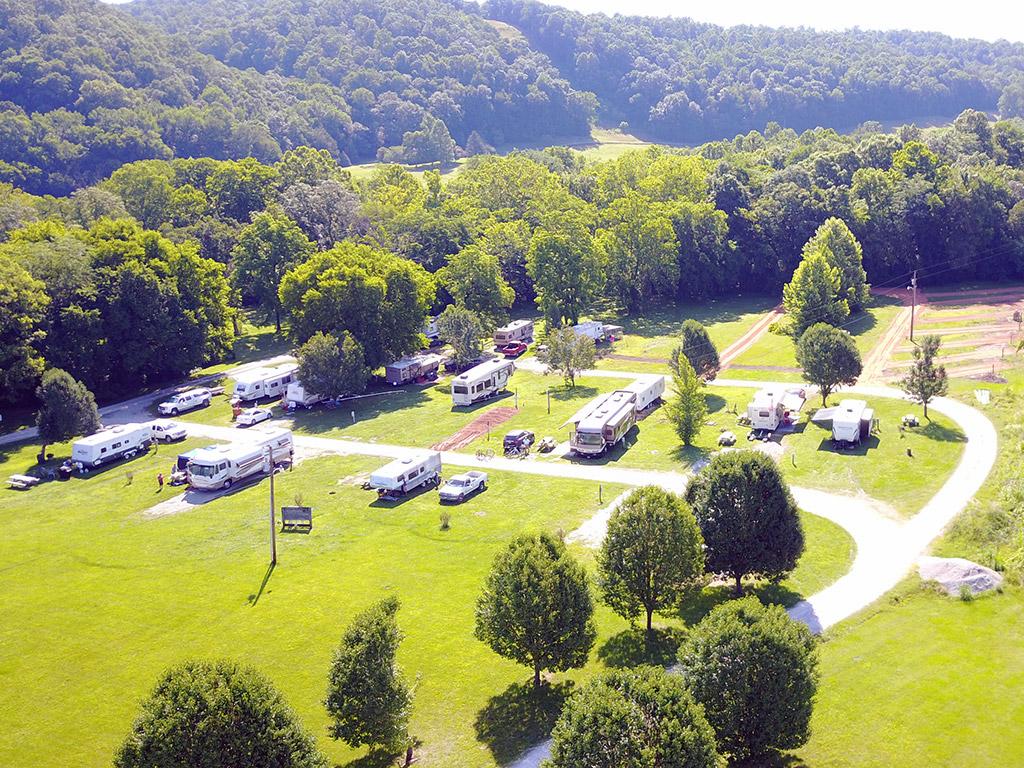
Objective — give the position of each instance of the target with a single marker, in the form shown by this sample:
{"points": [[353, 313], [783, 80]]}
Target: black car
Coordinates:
{"points": [[518, 440]]}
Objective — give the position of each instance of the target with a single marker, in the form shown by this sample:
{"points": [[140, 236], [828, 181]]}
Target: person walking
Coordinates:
{"points": [[160, 481]]}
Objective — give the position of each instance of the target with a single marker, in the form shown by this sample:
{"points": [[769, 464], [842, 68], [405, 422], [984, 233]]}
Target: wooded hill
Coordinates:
{"points": [[86, 87]]}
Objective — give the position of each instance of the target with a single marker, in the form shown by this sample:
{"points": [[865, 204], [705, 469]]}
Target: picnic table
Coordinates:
{"points": [[22, 482]]}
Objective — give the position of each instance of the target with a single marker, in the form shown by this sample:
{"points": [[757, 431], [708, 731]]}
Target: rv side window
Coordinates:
{"points": [[763, 414], [103, 450], [401, 478], [222, 466], [116, 445]]}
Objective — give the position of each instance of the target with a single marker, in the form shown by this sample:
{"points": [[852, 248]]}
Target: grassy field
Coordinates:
{"points": [[257, 342], [100, 598]]}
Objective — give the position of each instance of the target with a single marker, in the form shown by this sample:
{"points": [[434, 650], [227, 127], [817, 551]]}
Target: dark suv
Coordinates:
{"points": [[517, 441]]}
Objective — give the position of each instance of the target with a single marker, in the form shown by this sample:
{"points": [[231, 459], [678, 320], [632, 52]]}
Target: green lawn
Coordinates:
{"points": [[257, 342], [921, 680]]}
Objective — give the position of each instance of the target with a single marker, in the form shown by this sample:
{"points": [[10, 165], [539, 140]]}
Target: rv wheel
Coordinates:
{"points": [[227, 485]]}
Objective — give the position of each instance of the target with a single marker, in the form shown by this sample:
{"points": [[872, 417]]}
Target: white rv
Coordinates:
{"points": [[774, 406], [297, 396], [224, 465], [430, 330], [598, 331], [263, 382], [851, 421], [121, 442], [482, 381], [648, 390], [404, 475], [517, 330], [411, 368], [604, 423]]}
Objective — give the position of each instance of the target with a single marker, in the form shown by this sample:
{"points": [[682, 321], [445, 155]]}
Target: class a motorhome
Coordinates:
{"points": [[648, 391], [121, 442], [411, 368], [517, 330], [224, 465], [404, 475], [603, 423], [482, 381], [773, 406], [297, 396], [263, 382]]}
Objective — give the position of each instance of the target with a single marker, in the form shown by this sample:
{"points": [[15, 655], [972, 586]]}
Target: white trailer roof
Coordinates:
{"points": [[515, 325], [121, 430], [482, 371], [609, 411], [393, 469], [251, 376], [849, 412]]}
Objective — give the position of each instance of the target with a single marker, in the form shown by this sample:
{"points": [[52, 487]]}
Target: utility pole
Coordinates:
{"points": [[913, 306], [273, 522]]}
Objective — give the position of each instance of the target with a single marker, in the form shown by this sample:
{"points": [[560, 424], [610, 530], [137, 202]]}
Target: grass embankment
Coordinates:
{"points": [[100, 599]]}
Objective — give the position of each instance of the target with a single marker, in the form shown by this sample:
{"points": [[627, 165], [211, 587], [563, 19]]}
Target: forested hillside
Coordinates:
{"points": [[677, 80]]}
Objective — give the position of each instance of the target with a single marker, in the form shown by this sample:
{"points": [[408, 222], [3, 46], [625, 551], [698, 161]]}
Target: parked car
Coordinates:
{"points": [[518, 440], [184, 401], [168, 431], [251, 416], [461, 487], [513, 349]]}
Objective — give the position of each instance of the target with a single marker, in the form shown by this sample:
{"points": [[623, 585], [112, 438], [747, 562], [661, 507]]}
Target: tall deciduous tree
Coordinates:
{"points": [[568, 353], [635, 718], [473, 278], [331, 366], [653, 551], [68, 409], [536, 607], [566, 273], [217, 715], [925, 380], [829, 358], [747, 516], [687, 409], [462, 329], [837, 244], [754, 670], [23, 303], [368, 699], [267, 248], [698, 348], [812, 296]]}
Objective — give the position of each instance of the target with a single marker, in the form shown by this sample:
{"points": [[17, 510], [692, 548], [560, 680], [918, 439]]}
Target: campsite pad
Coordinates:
{"points": [[478, 426]]}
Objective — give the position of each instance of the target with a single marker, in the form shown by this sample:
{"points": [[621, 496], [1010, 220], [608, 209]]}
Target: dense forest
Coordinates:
{"points": [[139, 278], [86, 87]]}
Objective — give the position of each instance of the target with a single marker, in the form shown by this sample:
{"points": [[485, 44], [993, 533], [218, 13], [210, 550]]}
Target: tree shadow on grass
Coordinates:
{"points": [[376, 758], [519, 717], [771, 760], [940, 433], [635, 646], [697, 605]]}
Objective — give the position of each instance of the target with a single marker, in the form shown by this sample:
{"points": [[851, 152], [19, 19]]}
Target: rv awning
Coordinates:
{"points": [[794, 401], [824, 415]]}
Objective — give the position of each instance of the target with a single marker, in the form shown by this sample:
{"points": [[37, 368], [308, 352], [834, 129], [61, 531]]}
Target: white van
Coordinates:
{"points": [[184, 401], [404, 475], [482, 381], [224, 465], [124, 441], [263, 382]]}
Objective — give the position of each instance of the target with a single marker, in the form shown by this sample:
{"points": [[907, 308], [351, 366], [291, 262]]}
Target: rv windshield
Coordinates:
{"points": [[460, 390], [239, 389], [589, 438], [202, 470]]}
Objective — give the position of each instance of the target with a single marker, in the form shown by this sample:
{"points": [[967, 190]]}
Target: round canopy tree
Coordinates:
{"points": [[755, 671], [829, 358], [749, 520]]}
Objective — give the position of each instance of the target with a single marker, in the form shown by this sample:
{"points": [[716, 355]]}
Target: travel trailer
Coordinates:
{"points": [[411, 368], [774, 406], [851, 420], [648, 391], [124, 441], [430, 330], [598, 331], [517, 330], [297, 396], [482, 381], [263, 382], [404, 475], [603, 424], [224, 465]]}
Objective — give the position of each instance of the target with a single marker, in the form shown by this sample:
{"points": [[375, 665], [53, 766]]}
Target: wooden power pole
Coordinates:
{"points": [[273, 522], [913, 304]]}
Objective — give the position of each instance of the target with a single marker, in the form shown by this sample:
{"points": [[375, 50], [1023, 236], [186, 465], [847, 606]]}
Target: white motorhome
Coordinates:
{"points": [[404, 475], [124, 441], [263, 382], [297, 396], [482, 381], [648, 391], [222, 466], [851, 421], [603, 424], [411, 368], [517, 330], [773, 406]]}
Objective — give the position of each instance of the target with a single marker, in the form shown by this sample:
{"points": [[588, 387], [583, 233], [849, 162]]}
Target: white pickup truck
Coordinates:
{"points": [[461, 487]]}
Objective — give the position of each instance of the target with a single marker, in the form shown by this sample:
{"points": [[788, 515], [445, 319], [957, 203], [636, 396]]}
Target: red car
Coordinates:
{"points": [[514, 349]]}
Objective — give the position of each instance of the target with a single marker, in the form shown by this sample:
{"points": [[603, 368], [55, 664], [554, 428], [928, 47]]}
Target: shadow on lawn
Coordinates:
{"points": [[938, 432], [385, 401], [635, 646], [667, 320], [699, 604], [519, 717]]}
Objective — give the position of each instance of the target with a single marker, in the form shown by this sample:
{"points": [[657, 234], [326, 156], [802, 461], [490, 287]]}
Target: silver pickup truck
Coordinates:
{"points": [[461, 487]]}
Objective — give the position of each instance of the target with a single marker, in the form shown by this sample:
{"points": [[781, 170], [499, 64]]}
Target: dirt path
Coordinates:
{"points": [[749, 338], [478, 426]]}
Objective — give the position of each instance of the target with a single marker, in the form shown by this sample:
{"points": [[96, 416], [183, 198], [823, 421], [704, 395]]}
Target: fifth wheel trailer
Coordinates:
{"points": [[404, 475], [648, 391], [517, 330], [222, 466]]}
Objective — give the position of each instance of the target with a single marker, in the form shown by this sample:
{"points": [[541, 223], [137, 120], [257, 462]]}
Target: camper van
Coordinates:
{"points": [[224, 465], [517, 330], [604, 423], [774, 406], [263, 382], [482, 381], [297, 396], [851, 421], [411, 368], [404, 475], [121, 442], [648, 391]]}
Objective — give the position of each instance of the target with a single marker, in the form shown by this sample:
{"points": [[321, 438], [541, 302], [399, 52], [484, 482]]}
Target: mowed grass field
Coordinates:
{"points": [[100, 598]]}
